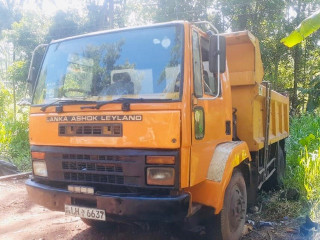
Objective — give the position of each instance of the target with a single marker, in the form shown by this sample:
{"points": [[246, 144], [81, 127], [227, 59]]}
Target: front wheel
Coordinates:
{"points": [[228, 225]]}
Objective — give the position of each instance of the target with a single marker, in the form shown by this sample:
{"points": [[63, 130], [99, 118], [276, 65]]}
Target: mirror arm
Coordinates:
{"points": [[32, 58], [218, 52], [30, 78]]}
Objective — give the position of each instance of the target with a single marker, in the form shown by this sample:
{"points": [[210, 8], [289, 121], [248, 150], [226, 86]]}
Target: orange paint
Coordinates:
{"points": [[211, 193], [217, 112], [158, 129], [170, 125]]}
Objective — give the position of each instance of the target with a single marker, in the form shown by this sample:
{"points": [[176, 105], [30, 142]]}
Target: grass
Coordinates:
{"points": [[303, 161], [275, 208]]}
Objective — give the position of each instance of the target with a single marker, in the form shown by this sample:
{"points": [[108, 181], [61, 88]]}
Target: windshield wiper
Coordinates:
{"points": [[69, 101], [124, 100]]}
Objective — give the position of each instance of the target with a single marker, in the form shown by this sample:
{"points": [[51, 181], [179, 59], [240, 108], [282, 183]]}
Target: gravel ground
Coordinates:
{"points": [[21, 219]]}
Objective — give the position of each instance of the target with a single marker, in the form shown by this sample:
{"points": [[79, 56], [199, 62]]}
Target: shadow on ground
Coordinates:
{"points": [[127, 232]]}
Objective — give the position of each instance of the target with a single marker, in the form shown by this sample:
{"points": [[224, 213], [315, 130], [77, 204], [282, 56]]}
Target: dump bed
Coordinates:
{"points": [[249, 94]]}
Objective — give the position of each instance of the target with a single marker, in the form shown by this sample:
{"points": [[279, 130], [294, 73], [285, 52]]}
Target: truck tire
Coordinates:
{"points": [[281, 167], [228, 225], [276, 180]]}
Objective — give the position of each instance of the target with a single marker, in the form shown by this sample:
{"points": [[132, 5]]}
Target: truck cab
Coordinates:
{"points": [[139, 124]]}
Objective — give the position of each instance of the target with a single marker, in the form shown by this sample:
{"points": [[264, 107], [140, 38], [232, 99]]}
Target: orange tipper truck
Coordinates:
{"points": [[157, 123]]}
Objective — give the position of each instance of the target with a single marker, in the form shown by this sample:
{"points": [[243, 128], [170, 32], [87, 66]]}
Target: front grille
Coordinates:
{"points": [[106, 130], [94, 157], [103, 168], [94, 178], [85, 166], [94, 168]]}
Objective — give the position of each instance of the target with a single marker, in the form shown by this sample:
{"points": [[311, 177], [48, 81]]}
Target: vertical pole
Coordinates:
{"points": [[267, 127]]}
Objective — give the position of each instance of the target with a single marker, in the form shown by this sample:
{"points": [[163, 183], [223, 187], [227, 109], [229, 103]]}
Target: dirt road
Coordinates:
{"points": [[21, 219]]}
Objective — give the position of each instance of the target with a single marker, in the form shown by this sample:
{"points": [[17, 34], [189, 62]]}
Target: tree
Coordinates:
{"points": [[301, 55], [24, 36], [106, 14], [270, 21], [27, 33], [9, 12], [194, 10], [63, 25]]}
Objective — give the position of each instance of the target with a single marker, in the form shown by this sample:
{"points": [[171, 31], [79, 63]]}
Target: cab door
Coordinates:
{"points": [[211, 109]]}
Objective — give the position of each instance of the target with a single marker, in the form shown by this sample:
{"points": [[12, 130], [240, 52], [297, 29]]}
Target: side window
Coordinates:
{"points": [[197, 75], [210, 80]]}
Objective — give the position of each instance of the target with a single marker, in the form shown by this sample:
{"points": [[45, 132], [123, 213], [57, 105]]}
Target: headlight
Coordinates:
{"points": [[160, 176], [40, 168]]}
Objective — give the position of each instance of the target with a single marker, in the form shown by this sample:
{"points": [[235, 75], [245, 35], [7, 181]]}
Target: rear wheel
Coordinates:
{"points": [[228, 225], [281, 167], [276, 180]]}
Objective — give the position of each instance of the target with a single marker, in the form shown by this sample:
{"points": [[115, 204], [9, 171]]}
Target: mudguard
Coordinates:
{"points": [[225, 158]]}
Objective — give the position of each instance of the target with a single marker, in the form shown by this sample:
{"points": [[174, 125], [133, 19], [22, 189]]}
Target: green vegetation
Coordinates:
{"points": [[275, 208], [303, 160], [296, 70], [306, 27], [14, 144]]}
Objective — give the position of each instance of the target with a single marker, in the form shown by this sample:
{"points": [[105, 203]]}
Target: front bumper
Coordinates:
{"points": [[118, 207]]}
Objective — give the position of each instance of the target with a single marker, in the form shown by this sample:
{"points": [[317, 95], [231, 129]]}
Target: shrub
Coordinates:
{"points": [[14, 140], [303, 166], [310, 162]]}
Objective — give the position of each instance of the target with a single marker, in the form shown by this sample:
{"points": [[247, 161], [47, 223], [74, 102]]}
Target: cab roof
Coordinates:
{"points": [[180, 22]]}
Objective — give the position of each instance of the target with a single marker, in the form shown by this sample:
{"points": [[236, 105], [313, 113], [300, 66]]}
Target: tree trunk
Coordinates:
{"points": [[296, 59], [103, 15], [111, 14], [276, 72], [296, 71]]}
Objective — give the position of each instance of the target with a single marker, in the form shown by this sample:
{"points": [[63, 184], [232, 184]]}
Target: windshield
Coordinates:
{"points": [[141, 63]]}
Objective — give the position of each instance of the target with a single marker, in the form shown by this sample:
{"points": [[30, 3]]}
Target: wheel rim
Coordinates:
{"points": [[237, 210]]}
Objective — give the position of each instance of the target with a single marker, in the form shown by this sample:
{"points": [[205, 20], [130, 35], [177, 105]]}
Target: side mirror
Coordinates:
{"points": [[217, 54], [36, 60]]}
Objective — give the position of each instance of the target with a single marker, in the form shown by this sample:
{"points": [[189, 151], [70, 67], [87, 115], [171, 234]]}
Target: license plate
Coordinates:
{"points": [[83, 212]]}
